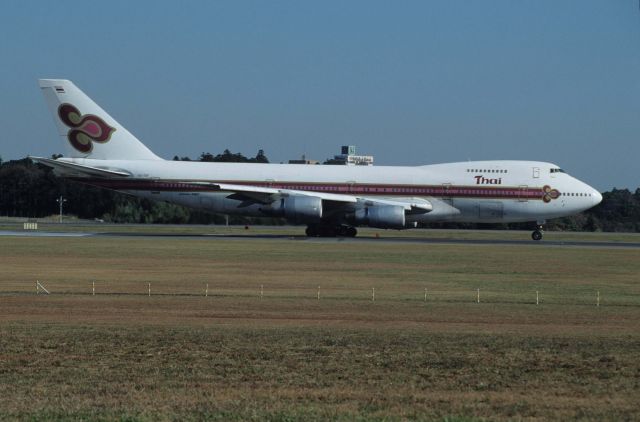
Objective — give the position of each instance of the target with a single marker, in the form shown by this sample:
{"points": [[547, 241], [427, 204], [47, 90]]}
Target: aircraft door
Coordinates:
{"points": [[536, 172], [518, 208], [522, 193], [446, 188], [351, 186], [446, 198]]}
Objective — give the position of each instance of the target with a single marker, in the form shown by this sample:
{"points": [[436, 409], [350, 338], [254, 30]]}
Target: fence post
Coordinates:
{"points": [[537, 298], [373, 294], [149, 289], [39, 287], [261, 291], [318, 292], [598, 298], [93, 288], [478, 299], [425, 294], [206, 291]]}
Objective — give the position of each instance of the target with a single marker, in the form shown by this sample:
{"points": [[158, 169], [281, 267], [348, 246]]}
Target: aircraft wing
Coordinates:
{"points": [[267, 195], [411, 205]]}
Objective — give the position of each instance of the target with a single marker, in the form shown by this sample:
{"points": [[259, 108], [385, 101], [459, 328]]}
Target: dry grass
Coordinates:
{"points": [[284, 372], [180, 355]]}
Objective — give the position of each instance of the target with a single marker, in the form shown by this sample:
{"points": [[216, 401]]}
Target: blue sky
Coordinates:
{"points": [[408, 82]]}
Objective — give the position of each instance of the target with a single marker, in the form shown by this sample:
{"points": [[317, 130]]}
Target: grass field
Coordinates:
{"points": [[179, 355]]}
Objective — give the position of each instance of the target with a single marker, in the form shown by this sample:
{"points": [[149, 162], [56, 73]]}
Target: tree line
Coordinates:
{"points": [[30, 190]]}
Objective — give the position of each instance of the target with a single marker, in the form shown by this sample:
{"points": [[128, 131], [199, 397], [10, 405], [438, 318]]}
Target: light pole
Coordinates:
{"points": [[60, 202]]}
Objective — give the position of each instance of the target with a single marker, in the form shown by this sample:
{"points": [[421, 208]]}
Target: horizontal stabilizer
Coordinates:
{"points": [[67, 168]]}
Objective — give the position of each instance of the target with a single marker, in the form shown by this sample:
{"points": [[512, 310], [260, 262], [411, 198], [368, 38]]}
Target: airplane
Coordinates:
{"points": [[330, 200]]}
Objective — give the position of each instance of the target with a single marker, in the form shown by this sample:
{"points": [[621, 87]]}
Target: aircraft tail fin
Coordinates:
{"points": [[87, 130]]}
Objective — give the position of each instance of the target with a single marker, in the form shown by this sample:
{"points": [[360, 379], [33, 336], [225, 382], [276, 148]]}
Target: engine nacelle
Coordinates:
{"points": [[382, 216], [303, 208], [297, 208]]}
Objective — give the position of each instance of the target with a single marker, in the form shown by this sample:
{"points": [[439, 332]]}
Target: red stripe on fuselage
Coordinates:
{"points": [[441, 191]]}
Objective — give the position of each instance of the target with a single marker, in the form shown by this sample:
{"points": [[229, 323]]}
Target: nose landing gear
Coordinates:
{"points": [[537, 233]]}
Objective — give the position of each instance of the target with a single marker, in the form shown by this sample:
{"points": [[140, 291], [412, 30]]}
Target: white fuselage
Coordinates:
{"points": [[475, 191]]}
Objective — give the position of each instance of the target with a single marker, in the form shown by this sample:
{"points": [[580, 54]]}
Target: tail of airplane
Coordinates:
{"points": [[87, 130]]}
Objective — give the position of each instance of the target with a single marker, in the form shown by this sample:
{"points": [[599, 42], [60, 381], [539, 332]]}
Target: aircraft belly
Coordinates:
{"points": [[490, 210], [443, 209], [474, 210], [517, 210], [478, 210]]}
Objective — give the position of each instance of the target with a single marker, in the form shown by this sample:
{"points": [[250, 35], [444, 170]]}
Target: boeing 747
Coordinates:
{"points": [[330, 200]]}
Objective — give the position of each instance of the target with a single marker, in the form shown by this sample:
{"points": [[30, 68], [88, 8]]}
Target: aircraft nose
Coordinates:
{"points": [[597, 197]]}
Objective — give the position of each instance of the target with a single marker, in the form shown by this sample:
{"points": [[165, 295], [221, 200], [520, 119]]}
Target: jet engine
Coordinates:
{"points": [[381, 216], [297, 208]]}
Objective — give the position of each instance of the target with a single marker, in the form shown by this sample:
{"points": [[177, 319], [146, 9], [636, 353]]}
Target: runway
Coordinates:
{"points": [[43, 234], [360, 239]]}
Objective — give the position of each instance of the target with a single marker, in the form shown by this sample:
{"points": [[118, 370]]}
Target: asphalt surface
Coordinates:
{"points": [[360, 239], [43, 234]]}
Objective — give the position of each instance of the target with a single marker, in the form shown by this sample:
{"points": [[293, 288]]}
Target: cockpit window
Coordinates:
{"points": [[556, 170]]}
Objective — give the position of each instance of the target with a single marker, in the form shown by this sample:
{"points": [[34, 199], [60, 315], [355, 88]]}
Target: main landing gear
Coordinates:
{"points": [[316, 230], [537, 233]]}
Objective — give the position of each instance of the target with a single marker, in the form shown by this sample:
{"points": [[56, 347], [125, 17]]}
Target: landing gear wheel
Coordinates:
{"points": [[536, 235], [315, 230], [311, 231], [327, 231], [346, 231]]}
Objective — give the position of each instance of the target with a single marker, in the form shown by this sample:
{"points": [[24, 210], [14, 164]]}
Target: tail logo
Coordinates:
{"points": [[85, 129]]}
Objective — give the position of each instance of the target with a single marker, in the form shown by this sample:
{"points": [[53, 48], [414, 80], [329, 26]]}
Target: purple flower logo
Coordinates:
{"points": [[548, 194], [85, 129]]}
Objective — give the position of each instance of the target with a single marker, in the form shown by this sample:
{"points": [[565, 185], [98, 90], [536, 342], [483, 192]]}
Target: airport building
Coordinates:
{"points": [[347, 157]]}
